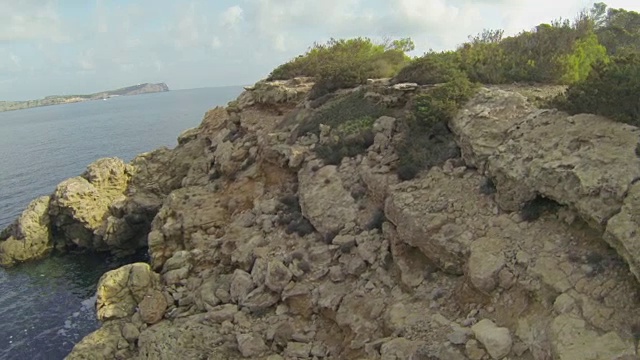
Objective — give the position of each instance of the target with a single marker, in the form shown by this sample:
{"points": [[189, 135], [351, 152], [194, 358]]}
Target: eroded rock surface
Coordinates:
{"points": [[261, 250]]}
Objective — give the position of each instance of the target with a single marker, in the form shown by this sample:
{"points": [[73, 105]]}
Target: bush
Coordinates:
{"points": [[333, 152], [346, 63], [428, 141], [432, 68], [342, 111], [611, 90]]}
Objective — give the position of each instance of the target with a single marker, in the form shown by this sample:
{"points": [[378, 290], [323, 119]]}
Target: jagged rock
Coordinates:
{"points": [[101, 344], [410, 262], [186, 214], [474, 351], [278, 276], [622, 230], [459, 336], [399, 348], [572, 339], [251, 345], [324, 200], [29, 237], [425, 218], [184, 338], [80, 205], [220, 314], [485, 261], [361, 317], [259, 299], [497, 340], [275, 92], [297, 350], [241, 285], [121, 290], [589, 164]]}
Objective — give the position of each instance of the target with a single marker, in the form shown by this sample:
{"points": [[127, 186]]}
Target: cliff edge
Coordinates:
{"points": [[275, 233]]}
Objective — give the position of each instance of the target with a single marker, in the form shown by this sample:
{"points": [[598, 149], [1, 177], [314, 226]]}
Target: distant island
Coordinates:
{"points": [[65, 99]]}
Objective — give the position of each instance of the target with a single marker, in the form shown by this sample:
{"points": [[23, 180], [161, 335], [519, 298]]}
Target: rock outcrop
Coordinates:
{"points": [[260, 249], [29, 237]]}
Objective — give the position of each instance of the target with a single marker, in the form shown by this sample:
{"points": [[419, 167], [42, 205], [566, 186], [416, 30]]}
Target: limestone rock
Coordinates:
{"points": [[297, 350], [101, 344], [622, 230], [251, 345], [571, 339], [278, 276], [259, 299], [121, 290], [241, 285], [130, 332], [184, 338], [485, 261], [324, 200], [80, 205], [29, 237], [186, 214], [275, 92], [399, 348], [425, 218], [152, 307], [497, 340]]}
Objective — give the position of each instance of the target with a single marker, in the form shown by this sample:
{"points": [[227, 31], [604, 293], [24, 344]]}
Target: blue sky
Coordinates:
{"points": [[74, 46]]}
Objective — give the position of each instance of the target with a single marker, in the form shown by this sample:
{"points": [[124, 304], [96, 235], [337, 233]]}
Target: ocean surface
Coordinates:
{"points": [[47, 306]]}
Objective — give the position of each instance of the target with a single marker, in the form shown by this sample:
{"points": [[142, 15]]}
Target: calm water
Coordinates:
{"points": [[46, 307]]}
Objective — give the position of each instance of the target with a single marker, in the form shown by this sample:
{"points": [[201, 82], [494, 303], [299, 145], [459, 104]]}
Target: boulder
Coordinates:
{"points": [[485, 262], [571, 338], [497, 340], [121, 290], [324, 200], [29, 237]]}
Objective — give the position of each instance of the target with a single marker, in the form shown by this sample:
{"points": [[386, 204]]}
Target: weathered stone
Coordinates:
{"points": [[241, 285], [260, 298], [497, 340], [399, 348], [80, 205], [29, 237], [297, 350], [571, 339], [176, 226], [121, 290], [130, 332], [251, 345], [485, 261], [278, 276], [324, 200], [152, 307], [220, 314]]}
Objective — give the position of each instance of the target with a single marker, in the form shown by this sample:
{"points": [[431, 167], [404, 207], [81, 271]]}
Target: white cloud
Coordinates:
{"points": [[231, 17], [30, 20]]}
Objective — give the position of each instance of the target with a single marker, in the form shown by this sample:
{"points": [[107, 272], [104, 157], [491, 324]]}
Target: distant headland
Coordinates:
{"points": [[145, 88]]}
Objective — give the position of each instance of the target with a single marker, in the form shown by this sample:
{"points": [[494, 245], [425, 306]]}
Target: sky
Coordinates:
{"points": [[83, 46]]}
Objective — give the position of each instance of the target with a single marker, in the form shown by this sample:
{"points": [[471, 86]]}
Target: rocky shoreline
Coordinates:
{"points": [[525, 247]]}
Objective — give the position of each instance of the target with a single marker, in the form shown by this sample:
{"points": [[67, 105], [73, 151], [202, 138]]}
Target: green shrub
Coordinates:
{"points": [[343, 111], [428, 141], [611, 90], [345, 146], [432, 68], [346, 63], [577, 65]]}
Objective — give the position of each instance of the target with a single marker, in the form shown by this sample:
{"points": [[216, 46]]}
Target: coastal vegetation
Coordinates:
{"points": [[596, 56]]}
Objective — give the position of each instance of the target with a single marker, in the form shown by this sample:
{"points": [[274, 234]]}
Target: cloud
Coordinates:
{"points": [[30, 20], [231, 17], [53, 46]]}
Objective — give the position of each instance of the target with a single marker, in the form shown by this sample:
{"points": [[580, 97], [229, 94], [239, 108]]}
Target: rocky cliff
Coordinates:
{"points": [[525, 247]]}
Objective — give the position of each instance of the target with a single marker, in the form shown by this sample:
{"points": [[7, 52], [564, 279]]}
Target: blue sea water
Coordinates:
{"points": [[47, 306]]}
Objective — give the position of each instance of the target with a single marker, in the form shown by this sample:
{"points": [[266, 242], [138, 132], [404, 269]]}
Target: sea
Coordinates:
{"points": [[47, 306]]}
